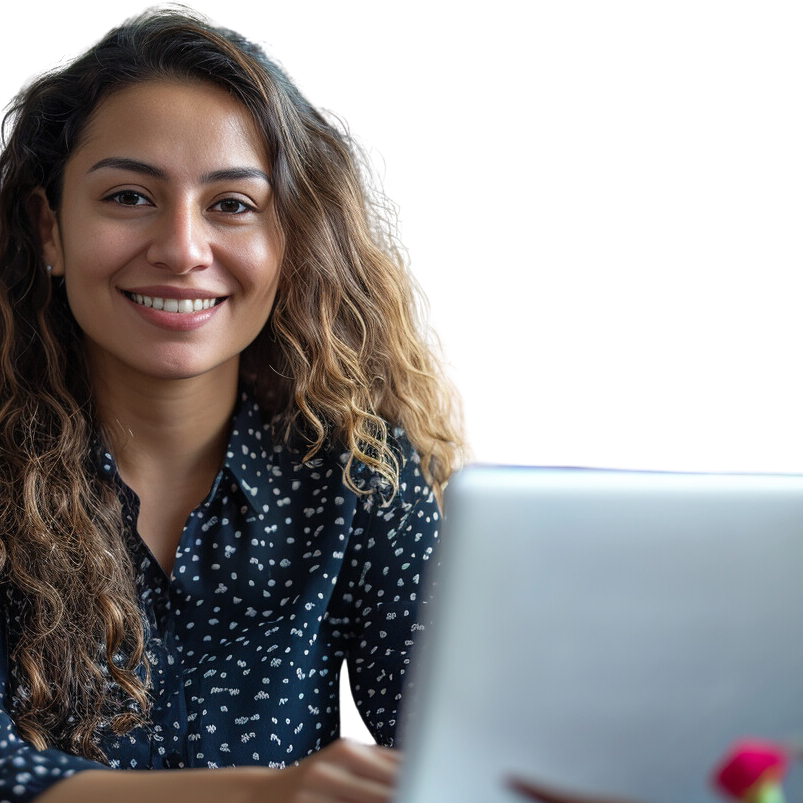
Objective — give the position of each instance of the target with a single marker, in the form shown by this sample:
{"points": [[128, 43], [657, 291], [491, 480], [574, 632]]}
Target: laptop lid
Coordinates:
{"points": [[607, 633]]}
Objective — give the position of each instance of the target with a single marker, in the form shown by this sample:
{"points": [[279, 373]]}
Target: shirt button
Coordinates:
{"points": [[172, 761]]}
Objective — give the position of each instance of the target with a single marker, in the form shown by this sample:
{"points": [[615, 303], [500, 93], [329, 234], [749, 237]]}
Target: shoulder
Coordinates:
{"points": [[268, 443], [377, 492]]}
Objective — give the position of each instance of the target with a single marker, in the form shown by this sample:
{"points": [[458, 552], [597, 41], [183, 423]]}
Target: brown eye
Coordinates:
{"points": [[231, 206], [128, 198]]}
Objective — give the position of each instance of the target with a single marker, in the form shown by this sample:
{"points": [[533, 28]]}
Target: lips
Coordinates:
{"points": [[164, 307], [177, 305], [173, 299]]}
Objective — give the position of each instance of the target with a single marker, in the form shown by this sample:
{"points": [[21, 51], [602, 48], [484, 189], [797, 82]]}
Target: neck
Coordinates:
{"points": [[172, 432]]}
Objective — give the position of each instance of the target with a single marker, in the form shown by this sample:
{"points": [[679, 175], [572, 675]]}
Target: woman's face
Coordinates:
{"points": [[166, 235]]}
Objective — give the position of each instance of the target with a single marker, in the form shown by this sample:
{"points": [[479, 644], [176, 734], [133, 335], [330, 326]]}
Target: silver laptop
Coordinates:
{"points": [[607, 634]]}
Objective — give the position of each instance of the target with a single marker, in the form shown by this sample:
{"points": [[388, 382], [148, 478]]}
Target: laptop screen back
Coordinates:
{"points": [[608, 633]]}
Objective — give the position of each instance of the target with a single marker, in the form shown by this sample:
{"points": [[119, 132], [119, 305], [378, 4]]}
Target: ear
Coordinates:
{"points": [[47, 224]]}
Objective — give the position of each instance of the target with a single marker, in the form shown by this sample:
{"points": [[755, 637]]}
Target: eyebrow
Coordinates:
{"points": [[135, 166]]}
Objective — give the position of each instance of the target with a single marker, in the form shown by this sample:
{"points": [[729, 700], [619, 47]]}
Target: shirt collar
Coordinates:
{"points": [[249, 452], [247, 455]]}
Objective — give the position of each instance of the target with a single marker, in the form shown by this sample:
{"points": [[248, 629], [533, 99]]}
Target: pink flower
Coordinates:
{"points": [[752, 770]]}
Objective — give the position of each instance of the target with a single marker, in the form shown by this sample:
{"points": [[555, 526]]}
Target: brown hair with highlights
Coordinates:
{"points": [[343, 360]]}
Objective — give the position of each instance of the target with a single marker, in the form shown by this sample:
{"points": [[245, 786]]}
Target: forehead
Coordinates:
{"points": [[166, 120]]}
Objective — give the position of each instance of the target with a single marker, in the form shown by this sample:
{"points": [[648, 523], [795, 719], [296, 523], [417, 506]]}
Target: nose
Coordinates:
{"points": [[180, 240]]}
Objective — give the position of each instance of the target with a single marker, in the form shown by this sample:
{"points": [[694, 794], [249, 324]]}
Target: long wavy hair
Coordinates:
{"points": [[343, 359]]}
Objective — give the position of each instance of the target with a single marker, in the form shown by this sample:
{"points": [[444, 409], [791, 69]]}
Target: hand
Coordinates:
{"points": [[343, 772], [542, 794]]}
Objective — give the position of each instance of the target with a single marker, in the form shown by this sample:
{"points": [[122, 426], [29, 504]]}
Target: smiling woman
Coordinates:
{"points": [[164, 202], [224, 434]]}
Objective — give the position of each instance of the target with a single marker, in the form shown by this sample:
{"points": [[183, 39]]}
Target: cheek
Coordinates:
{"points": [[97, 250], [255, 265], [264, 285]]}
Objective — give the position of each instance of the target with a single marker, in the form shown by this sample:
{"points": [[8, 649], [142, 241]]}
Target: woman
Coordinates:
{"points": [[224, 438]]}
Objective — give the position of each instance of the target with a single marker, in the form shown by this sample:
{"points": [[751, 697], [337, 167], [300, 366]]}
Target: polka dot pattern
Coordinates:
{"points": [[281, 574]]}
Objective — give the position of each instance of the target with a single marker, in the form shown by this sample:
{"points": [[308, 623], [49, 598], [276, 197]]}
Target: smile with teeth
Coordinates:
{"points": [[173, 304]]}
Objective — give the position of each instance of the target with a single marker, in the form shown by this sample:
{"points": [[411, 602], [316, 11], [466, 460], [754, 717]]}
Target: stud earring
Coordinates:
{"points": [[49, 269]]}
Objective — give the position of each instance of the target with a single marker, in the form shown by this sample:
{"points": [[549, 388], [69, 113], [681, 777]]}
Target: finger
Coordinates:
{"points": [[391, 753], [338, 783], [370, 761], [312, 797], [387, 756], [543, 794]]}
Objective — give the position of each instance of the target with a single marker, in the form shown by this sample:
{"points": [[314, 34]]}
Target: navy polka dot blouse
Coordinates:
{"points": [[281, 573]]}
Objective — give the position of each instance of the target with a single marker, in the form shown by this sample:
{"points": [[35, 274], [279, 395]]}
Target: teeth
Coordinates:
{"points": [[178, 305]]}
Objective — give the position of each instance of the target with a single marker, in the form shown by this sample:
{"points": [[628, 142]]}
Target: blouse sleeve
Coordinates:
{"points": [[26, 772], [398, 544]]}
